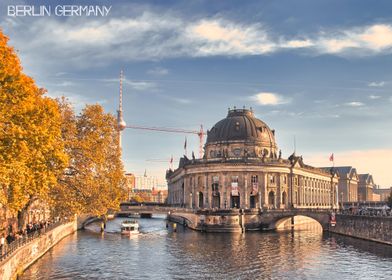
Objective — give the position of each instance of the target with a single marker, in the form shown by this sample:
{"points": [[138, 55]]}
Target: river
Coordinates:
{"points": [[160, 253]]}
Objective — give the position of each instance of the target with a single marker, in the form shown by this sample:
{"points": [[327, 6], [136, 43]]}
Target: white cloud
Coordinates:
{"points": [[269, 98], [222, 37], [365, 40], [374, 96], [297, 44], [354, 104], [158, 71], [140, 85], [137, 85], [179, 100], [376, 84], [77, 101], [151, 36]]}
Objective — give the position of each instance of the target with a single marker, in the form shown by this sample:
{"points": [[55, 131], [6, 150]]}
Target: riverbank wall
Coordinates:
{"points": [[373, 228], [26, 255]]}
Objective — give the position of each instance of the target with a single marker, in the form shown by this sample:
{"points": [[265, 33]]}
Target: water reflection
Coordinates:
{"points": [[160, 253]]}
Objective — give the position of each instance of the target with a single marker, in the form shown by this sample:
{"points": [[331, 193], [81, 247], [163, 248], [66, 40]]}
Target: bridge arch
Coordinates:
{"points": [[277, 218]]}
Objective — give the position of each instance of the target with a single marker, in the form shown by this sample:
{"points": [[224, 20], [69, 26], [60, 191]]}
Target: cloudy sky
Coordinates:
{"points": [[319, 71]]}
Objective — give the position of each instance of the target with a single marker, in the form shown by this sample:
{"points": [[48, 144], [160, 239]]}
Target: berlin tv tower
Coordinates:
{"points": [[120, 120]]}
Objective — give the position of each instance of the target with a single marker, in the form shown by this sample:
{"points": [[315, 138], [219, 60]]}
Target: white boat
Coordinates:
{"points": [[130, 227]]}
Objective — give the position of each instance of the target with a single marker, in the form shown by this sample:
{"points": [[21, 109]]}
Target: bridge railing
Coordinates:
{"points": [[7, 249], [365, 212]]}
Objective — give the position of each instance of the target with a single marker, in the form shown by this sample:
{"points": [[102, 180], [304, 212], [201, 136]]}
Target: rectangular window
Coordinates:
{"points": [[234, 179], [255, 184]]}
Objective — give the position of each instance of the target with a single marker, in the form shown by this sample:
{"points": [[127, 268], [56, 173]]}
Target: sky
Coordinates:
{"points": [[316, 71]]}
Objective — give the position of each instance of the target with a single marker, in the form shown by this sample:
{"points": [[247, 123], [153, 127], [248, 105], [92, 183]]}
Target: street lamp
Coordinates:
{"points": [[341, 196]]}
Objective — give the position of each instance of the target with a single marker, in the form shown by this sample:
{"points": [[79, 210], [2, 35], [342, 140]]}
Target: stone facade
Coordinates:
{"points": [[242, 168], [382, 194], [365, 187], [348, 184]]}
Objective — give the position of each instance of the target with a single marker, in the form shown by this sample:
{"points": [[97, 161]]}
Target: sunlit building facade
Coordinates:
{"points": [[243, 168], [365, 187]]}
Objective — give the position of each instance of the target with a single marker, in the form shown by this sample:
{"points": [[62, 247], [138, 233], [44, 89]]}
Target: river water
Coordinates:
{"points": [[160, 253]]}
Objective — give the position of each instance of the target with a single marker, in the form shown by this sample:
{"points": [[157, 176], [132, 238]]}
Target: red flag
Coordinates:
{"points": [[331, 157]]}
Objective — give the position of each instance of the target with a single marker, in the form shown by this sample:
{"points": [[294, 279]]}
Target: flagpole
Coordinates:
{"points": [[186, 154]]}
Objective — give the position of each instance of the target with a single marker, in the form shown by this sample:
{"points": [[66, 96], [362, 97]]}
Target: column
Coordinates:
{"points": [[225, 201], [206, 188], [265, 189], [183, 193], [246, 204], [193, 192]]}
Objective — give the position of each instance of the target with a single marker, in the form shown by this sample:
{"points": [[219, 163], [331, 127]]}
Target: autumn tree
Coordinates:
{"points": [[31, 147], [93, 181]]}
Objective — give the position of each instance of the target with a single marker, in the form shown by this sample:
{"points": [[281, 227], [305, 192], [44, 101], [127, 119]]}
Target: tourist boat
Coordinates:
{"points": [[130, 227]]}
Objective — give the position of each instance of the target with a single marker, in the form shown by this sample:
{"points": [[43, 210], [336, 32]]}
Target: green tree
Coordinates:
{"points": [[31, 149]]}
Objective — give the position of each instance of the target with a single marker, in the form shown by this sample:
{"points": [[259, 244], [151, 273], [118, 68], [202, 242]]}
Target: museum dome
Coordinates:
{"points": [[240, 134], [241, 124]]}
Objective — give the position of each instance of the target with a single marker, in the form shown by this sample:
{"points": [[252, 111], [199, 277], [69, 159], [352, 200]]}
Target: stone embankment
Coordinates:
{"points": [[378, 229], [20, 259], [24, 256], [373, 228]]}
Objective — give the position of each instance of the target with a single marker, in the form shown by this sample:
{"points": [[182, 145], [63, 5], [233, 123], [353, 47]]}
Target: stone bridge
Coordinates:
{"points": [[228, 220], [235, 220]]}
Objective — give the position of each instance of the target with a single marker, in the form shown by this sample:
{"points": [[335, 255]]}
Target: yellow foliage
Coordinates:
{"points": [[93, 181], [31, 149]]}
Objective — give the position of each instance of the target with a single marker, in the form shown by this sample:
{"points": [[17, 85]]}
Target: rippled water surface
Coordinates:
{"points": [[160, 253]]}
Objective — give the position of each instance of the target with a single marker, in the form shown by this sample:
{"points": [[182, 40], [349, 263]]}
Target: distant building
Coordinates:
{"points": [[144, 182], [382, 193], [146, 188], [130, 184], [159, 195], [348, 183], [365, 187]]}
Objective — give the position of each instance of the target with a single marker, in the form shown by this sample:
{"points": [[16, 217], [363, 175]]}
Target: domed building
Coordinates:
{"points": [[243, 168]]}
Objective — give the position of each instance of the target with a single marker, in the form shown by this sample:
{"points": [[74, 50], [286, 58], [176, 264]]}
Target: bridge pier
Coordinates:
{"points": [[240, 220], [146, 215]]}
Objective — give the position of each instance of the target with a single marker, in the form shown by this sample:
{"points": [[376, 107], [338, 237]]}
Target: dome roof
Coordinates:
{"points": [[241, 125]]}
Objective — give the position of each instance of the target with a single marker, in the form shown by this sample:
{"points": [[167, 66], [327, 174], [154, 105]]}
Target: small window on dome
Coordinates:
{"points": [[237, 126]]}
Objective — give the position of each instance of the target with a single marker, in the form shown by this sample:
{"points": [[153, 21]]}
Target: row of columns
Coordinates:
{"points": [[302, 191]]}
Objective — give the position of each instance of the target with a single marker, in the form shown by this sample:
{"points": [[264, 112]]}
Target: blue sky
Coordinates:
{"points": [[316, 70]]}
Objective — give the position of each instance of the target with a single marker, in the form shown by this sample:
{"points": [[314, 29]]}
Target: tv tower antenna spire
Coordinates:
{"points": [[120, 120]]}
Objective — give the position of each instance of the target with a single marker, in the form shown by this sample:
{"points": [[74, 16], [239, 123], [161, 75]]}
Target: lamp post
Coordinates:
{"points": [[341, 199]]}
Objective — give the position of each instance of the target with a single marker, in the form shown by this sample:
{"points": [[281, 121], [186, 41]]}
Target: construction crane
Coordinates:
{"points": [[121, 125], [199, 133]]}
